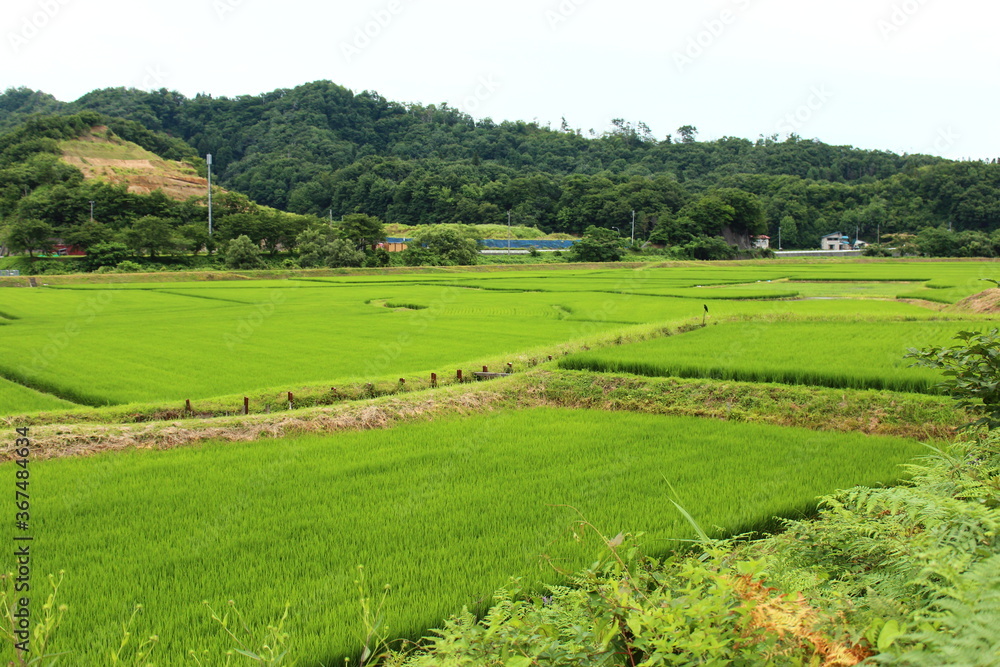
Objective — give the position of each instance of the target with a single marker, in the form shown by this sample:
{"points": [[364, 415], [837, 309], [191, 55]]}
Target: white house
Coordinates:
{"points": [[762, 242], [835, 241]]}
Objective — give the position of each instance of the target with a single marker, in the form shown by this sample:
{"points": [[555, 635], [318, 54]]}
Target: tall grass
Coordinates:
{"points": [[443, 512]]}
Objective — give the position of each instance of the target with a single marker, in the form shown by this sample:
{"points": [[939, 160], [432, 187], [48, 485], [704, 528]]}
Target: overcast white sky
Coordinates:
{"points": [[916, 76]]}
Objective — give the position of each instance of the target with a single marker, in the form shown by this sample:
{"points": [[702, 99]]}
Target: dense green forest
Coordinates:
{"points": [[320, 150]]}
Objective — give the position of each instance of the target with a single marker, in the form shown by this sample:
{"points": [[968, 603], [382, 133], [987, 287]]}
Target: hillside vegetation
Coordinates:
{"points": [[321, 148]]}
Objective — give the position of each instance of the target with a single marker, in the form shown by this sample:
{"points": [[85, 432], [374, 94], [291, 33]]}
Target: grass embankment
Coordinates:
{"points": [[443, 512], [815, 408]]}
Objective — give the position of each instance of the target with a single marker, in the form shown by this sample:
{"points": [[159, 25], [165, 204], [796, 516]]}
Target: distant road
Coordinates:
{"points": [[818, 253]]}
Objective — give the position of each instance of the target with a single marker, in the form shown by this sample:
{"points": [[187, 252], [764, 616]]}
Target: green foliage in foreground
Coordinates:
{"points": [[443, 512], [910, 574], [972, 372], [854, 355]]}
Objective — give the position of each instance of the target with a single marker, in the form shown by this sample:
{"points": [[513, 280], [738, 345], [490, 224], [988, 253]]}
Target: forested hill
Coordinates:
{"points": [[319, 147]]}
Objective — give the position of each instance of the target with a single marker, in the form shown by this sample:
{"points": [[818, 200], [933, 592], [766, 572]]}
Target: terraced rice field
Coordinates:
{"points": [[120, 344], [853, 355], [443, 512]]}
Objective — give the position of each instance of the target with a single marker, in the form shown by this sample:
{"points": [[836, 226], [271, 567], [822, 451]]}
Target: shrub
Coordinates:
{"points": [[971, 370], [242, 253], [128, 266], [598, 245]]}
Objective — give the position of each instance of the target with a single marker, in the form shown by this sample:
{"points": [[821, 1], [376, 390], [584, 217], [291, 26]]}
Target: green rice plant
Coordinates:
{"points": [[442, 512], [112, 345], [854, 355], [17, 399]]}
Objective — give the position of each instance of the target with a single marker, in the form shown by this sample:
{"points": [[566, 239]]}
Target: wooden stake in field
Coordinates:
{"points": [[187, 405], [291, 401], [510, 367], [246, 405], [458, 374], [434, 379], [705, 315]]}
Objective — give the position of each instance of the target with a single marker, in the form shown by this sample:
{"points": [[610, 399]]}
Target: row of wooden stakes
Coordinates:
{"points": [[485, 374]]}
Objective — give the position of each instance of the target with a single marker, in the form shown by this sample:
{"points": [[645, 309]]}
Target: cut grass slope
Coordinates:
{"points": [[102, 155]]}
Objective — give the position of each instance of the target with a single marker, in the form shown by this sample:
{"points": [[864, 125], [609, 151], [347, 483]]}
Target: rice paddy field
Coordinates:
{"points": [[17, 399], [854, 355], [444, 512], [443, 507], [138, 342]]}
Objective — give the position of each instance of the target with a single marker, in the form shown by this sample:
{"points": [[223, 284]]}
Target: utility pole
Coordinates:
{"points": [[208, 161], [633, 226], [779, 237], [91, 211], [508, 231]]}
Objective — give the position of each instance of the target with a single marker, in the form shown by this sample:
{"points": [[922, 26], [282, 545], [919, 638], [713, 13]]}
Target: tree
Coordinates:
{"points": [[195, 238], [364, 231], [972, 372], [152, 235], [320, 246], [88, 234], [688, 134], [105, 254], [710, 215], [788, 231], [28, 236], [937, 242], [710, 248], [242, 253], [598, 245], [340, 253], [310, 245], [442, 246], [748, 212]]}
